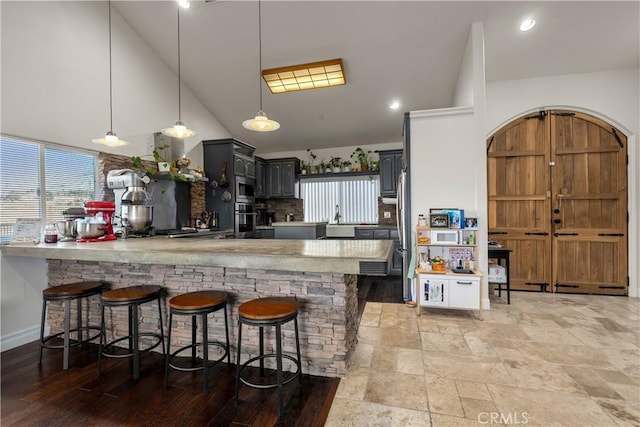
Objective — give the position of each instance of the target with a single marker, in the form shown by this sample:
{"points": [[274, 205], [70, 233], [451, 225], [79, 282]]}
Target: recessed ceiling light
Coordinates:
{"points": [[527, 24], [184, 3], [394, 105]]}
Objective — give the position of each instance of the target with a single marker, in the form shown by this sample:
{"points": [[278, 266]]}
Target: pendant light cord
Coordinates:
{"points": [[260, 50], [179, 79], [110, 78]]}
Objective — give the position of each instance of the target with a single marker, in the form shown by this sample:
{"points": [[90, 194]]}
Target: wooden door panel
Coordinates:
{"points": [[518, 205], [529, 261], [589, 267], [589, 194]]}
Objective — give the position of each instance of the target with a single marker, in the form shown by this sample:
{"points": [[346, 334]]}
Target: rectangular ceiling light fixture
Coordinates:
{"points": [[305, 76]]}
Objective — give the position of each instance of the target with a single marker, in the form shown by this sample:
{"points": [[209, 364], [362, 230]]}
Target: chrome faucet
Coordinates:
{"points": [[337, 216]]}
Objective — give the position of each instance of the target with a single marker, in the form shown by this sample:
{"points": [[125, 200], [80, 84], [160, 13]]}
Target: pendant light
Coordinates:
{"points": [[110, 139], [179, 130], [260, 123]]}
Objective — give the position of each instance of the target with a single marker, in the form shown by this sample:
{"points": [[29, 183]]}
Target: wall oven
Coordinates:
{"points": [[245, 221], [245, 189]]}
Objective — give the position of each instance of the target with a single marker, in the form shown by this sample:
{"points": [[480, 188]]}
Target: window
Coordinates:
{"points": [[40, 180], [356, 199]]}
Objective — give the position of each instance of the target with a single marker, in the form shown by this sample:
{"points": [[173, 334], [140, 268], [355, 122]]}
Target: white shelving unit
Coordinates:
{"points": [[446, 288]]}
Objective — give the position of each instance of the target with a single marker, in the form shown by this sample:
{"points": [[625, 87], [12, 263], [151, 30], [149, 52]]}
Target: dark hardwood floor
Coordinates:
{"points": [[45, 395]]}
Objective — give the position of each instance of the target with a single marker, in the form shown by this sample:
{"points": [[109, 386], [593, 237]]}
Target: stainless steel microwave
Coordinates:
{"points": [[245, 189]]}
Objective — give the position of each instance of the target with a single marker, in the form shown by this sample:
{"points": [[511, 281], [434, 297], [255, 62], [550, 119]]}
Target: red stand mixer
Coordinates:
{"points": [[101, 211]]}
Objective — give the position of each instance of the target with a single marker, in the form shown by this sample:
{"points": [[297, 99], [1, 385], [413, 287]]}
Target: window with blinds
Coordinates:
{"points": [[39, 180], [354, 198]]}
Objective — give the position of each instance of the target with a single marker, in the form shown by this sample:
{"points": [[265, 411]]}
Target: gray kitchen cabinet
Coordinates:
{"points": [[390, 167], [372, 233], [281, 177], [261, 188], [244, 166]]}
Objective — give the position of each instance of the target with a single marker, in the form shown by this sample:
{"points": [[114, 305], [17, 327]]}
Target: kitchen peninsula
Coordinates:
{"points": [[321, 274]]}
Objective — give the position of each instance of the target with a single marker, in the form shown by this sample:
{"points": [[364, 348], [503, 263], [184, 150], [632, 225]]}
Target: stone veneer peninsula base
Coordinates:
{"points": [[321, 274], [327, 316]]}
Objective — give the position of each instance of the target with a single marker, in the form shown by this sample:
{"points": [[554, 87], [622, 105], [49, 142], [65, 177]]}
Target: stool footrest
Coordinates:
{"points": [[105, 352], [75, 342], [201, 366], [293, 376]]}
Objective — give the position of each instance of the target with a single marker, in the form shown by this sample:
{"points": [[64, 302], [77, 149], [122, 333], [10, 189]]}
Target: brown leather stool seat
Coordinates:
{"points": [[267, 312], [67, 293], [130, 297], [194, 304]]}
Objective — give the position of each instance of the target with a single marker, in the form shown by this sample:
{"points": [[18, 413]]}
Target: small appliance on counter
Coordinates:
{"points": [[67, 231], [132, 201], [97, 225]]}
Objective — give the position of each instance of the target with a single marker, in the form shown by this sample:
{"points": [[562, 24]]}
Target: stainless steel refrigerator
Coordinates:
{"points": [[403, 210]]}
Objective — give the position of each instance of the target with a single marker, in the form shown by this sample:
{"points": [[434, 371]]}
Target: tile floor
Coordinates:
{"points": [[544, 360]]}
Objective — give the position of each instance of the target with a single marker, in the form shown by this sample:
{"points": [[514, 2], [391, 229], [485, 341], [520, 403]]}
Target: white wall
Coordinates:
{"points": [[23, 280], [448, 158], [613, 96], [463, 96], [55, 80]]}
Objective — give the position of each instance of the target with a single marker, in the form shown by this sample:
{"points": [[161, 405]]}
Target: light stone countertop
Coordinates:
{"points": [[333, 256]]}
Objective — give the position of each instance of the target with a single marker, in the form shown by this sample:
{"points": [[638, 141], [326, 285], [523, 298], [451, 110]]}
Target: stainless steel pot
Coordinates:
{"points": [[136, 217], [90, 230], [67, 229]]}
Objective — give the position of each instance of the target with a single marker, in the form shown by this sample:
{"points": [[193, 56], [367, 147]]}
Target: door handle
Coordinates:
{"points": [[557, 221]]}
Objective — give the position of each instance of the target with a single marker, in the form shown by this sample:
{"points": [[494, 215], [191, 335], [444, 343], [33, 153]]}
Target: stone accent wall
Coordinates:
{"points": [[382, 208], [327, 317], [281, 207]]}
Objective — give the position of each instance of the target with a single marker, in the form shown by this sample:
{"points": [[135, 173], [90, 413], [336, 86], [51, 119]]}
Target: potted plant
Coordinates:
{"points": [[303, 167], [323, 167], [313, 168], [362, 157], [334, 164], [346, 166], [158, 155]]}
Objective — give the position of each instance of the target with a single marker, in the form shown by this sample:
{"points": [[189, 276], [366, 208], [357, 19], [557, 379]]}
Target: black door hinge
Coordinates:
{"points": [[537, 233], [564, 114], [611, 234], [566, 286], [565, 234], [615, 135]]}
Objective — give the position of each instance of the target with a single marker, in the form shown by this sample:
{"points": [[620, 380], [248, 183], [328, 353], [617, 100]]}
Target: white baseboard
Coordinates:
{"points": [[19, 338]]}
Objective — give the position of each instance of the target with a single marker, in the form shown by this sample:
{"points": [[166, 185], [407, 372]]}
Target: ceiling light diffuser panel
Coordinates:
{"points": [[313, 75]]}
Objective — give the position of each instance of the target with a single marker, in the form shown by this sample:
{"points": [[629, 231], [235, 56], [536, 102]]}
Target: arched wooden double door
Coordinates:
{"points": [[557, 189]]}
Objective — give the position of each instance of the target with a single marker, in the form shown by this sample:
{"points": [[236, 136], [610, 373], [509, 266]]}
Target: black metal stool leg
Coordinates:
{"points": [[238, 359], [161, 327], [226, 331], [279, 368], [102, 337], [205, 354], [295, 322], [44, 316], [67, 327], [194, 337], [79, 322], [136, 354], [168, 355], [261, 351]]}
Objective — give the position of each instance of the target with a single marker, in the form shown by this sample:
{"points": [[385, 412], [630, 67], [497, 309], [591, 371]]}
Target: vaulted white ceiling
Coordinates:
{"points": [[410, 51]]}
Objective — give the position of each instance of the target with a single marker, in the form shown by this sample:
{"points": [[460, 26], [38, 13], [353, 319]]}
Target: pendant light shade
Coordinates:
{"points": [[179, 130], [260, 123], [110, 139]]}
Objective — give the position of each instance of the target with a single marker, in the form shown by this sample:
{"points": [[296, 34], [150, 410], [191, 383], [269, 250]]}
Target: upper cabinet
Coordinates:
{"points": [[281, 177], [244, 166], [261, 188], [390, 167]]}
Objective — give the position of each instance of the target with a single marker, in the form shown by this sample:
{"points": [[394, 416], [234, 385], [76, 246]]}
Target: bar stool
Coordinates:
{"points": [[130, 297], [266, 312], [194, 304], [67, 293]]}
